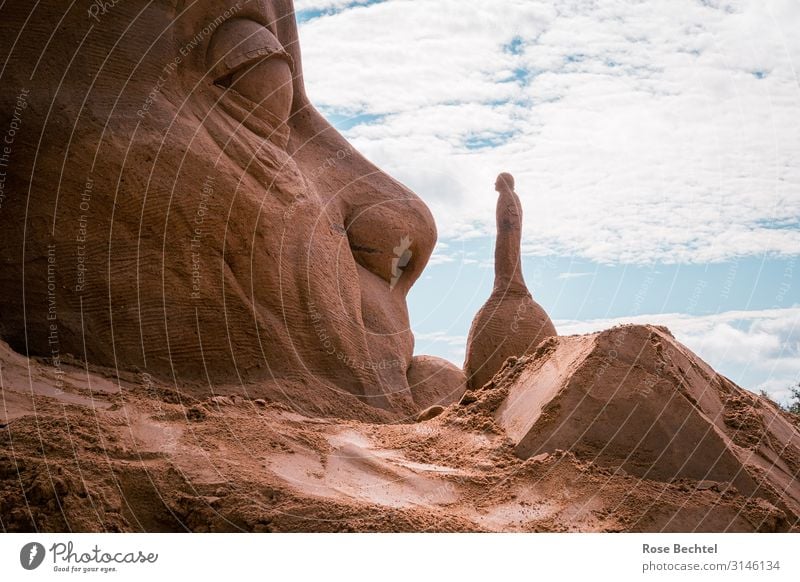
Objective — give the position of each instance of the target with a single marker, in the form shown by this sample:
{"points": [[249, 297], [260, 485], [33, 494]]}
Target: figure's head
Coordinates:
{"points": [[198, 207], [504, 183]]}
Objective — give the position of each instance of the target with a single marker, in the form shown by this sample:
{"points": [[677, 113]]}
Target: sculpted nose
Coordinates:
{"points": [[392, 238]]}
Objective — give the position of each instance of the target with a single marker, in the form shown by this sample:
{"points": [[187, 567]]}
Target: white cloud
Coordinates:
{"points": [[443, 253], [301, 5], [567, 276], [442, 343], [659, 131]]}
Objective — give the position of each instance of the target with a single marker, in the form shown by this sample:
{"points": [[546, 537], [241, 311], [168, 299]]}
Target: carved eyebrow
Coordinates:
{"points": [[238, 44]]}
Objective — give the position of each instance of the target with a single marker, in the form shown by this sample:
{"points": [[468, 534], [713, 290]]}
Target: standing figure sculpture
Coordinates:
{"points": [[510, 323]]}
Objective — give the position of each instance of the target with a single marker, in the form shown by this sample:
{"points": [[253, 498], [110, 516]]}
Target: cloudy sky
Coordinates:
{"points": [[656, 148]]}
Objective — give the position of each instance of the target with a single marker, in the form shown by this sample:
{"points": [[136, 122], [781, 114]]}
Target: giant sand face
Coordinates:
{"points": [[176, 206], [181, 227]]}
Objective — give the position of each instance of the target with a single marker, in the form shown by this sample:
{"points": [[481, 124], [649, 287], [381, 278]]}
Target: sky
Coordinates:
{"points": [[655, 146]]}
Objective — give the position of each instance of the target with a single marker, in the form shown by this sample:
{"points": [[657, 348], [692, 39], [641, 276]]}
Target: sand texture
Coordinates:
{"points": [[204, 327], [697, 454]]}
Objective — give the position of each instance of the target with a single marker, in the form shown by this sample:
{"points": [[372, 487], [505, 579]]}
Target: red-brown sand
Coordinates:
{"points": [[133, 455]]}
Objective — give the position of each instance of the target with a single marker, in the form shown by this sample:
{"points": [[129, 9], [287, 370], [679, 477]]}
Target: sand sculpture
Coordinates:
{"points": [[204, 286], [177, 207], [690, 422], [510, 322]]}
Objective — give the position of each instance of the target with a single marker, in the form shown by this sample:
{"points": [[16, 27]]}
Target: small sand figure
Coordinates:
{"points": [[510, 323]]}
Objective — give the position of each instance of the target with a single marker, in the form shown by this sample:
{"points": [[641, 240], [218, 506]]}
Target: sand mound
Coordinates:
{"points": [[435, 381], [636, 401], [142, 456]]}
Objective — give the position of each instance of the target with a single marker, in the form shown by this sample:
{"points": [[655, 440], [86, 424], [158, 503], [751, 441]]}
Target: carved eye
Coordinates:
{"points": [[247, 58], [238, 45]]}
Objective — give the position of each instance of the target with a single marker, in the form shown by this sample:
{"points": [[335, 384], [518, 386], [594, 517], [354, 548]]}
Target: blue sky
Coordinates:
{"points": [[656, 148]]}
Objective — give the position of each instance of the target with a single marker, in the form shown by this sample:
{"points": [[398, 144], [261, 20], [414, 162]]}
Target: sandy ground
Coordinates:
{"points": [[127, 455]]}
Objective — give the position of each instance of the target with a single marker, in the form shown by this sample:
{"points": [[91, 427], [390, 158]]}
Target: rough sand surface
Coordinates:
{"points": [[149, 458]]}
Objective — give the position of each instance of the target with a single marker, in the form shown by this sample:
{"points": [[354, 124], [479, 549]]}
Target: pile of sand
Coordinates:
{"points": [[551, 444]]}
